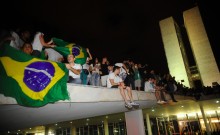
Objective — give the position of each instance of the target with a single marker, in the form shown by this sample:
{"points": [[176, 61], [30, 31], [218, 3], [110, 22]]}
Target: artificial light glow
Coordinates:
{"points": [[106, 117], [214, 121], [29, 128], [39, 134], [152, 110], [55, 124], [162, 114], [182, 106], [87, 119], [210, 112], [8, 131], [119, 119], [87, 124], [219, 107], [217, 101], [115, 130], [181, 115], [71, 122], [19, 130], [191, 114]]}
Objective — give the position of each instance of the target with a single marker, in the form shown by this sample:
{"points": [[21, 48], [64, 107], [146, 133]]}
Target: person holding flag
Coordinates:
{"points": [[74, 70], [76, 57]]}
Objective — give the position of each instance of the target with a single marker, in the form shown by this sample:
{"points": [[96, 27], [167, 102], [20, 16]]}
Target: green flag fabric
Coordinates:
{"points": [[66, 48], [31, 81]]}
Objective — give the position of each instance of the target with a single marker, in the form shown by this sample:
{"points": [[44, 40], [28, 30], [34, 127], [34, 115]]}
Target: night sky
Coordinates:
{"points": [[118, 29]]}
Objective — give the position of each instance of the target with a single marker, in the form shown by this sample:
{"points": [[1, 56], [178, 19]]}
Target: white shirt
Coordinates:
{"points": [[76, 66], [15, 43], [116, 79], [36, 44], [122, 70], [149, 87], [96, 68], [53, 55]]}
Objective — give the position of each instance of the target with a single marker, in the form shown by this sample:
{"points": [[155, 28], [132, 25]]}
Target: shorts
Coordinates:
{"points": [[137, 83], [115, 86]]}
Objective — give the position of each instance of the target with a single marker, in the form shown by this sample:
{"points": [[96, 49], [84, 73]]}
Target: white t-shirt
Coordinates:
{"points": [[96, 68], [36, 43], [15, 43], [149, 87], [122, 70], [76, 66], [53, 55], [116, 79]]}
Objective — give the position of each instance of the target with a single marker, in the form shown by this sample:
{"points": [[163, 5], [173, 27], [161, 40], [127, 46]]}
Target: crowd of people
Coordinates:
{"points": [[125, 76]]}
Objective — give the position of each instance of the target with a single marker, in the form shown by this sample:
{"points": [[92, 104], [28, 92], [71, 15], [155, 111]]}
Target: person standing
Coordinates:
{"points": [[85, 74], [104, 71]]}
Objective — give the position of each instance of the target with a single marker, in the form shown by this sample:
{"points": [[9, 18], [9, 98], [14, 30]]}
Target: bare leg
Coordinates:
{"points": [[122, 91], [129, 91], [157, 94]]}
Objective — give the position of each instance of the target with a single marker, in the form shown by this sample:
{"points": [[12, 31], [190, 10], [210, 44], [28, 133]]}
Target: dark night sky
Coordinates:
{"points": [[117, 29]]}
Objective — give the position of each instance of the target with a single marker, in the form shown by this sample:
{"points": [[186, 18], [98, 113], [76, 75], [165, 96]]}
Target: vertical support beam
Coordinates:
{"points": [[135, 122], [106, 127], [46, 130], [204, 119], [149, 130], [73, 130]]}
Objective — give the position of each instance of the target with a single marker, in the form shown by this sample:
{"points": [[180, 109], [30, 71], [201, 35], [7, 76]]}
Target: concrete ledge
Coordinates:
{"points": [[88, 93]]}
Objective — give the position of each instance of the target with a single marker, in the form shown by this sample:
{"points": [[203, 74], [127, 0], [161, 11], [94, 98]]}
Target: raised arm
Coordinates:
{"points": [[90, 56]]}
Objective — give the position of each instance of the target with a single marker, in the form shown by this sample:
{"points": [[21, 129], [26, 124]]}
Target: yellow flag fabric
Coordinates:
{"points": [[36, 82]]}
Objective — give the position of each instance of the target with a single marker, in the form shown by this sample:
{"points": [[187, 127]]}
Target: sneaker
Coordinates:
{"points": [[134, 104], [159, 102], [163, 101], [128, 105]]}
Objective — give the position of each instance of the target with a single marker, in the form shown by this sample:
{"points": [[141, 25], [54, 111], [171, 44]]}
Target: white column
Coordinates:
{"points": [[106, 127], [135, 122], [73, 130], [205, 120], [148, 124]]}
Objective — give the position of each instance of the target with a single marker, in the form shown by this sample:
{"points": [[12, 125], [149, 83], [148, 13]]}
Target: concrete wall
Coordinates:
{"points": [[172, 49], [87, 93], [201, 48]]}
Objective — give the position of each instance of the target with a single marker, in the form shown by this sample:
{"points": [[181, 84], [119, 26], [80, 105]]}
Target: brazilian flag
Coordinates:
{"points": [[66, 48], [31, 81]]}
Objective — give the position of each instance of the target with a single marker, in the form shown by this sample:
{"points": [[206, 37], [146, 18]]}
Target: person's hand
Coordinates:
{"points": [[50, 42], [60, 59], [52, 46], [100, 72], [68, 66], [87, 49]]}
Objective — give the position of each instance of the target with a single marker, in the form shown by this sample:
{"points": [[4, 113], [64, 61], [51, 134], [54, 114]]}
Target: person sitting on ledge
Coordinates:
{"points": [[114, 81], [151, 87]]}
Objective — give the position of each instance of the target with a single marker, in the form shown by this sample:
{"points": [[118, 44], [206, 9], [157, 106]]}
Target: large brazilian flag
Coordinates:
{"points": [[31, 81], [66, 48]]}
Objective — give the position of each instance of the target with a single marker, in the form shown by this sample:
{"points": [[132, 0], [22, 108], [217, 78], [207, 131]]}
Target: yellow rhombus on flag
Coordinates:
{"points": [[36, 82]]}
